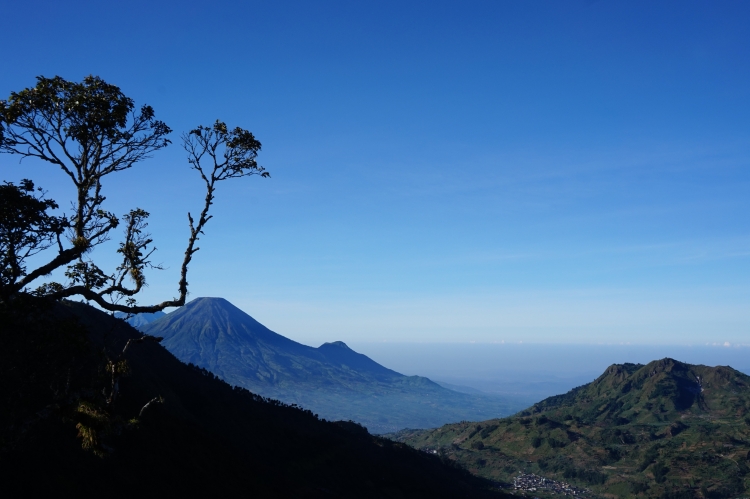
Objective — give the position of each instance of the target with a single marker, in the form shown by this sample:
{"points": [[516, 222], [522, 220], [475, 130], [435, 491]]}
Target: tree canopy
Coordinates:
{"points": [[91, 130]]}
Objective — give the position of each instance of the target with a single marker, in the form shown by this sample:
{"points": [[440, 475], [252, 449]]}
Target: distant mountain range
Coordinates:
{"points": [[332, 380], [666, 430], [139, 320]]}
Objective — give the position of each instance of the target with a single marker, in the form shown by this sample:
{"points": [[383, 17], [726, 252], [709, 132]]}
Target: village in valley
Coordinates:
{"points": [[529, 482]]}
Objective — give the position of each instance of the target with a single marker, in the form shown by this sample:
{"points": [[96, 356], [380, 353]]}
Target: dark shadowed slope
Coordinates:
{"points": [[206, 439], [666, 429], [331, 380]]}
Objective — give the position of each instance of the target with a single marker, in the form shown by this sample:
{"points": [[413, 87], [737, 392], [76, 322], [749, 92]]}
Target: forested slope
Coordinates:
{"points": [[198, 436]]}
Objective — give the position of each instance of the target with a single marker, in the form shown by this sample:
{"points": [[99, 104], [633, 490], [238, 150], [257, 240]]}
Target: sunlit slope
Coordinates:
{"points": [[332, 380], [650, 431]]}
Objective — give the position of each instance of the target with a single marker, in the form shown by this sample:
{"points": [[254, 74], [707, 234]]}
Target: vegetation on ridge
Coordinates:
{"points": [[666, 429]]}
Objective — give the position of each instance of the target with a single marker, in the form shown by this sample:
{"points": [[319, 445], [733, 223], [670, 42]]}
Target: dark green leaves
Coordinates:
{"points": [[87, 274], [89, 129], [91, 124], [26, 227], [230, 153]]}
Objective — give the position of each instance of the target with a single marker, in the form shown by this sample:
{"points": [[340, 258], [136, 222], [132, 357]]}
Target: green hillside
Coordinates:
{"points": [[332, 380], [63, 434], [666, 429]]}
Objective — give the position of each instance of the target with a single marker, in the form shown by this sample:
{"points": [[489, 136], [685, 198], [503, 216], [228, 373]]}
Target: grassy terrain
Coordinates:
{"points": [[666, 429]]}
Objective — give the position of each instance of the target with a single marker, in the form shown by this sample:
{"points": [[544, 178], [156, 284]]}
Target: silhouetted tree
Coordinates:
{"points": [[90, 130], [25, 228]]}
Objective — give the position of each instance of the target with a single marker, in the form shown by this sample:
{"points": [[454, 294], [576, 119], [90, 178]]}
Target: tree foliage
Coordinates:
{"points": [[91, 130], [26, 228]]}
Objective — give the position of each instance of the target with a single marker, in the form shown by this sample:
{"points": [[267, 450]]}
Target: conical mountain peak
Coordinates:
{"points": [[213, 333], [333, 380], [207, 330]]}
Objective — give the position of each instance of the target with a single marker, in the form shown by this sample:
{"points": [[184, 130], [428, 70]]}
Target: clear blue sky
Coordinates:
{"points": [[565, 171]]}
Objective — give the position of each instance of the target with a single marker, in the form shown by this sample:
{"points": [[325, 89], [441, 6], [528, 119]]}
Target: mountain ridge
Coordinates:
{"points": [[665, 429], [332, 379], [139, 320], [223, 324]]}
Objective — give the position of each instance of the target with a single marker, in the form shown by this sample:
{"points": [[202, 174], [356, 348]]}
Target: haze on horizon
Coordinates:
{"points": [[549, 172]]}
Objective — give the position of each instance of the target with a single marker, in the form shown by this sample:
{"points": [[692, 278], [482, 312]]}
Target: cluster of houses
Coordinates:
{"points": [[529, 482]]}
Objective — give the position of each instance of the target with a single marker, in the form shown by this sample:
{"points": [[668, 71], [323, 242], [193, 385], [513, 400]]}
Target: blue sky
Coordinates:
{"points": [[572, 172]]}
